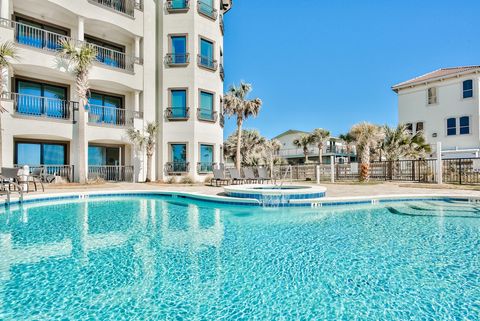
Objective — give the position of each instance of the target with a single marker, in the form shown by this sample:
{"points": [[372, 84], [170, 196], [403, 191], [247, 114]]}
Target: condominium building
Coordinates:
{"points": [[155, 61], [295, 155], [445, 105]]}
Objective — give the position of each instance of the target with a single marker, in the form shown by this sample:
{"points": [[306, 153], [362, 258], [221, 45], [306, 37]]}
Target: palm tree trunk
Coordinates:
{"points": [[305, 152], [320, 154], [239, 145], [149, 168], [365, 166]]}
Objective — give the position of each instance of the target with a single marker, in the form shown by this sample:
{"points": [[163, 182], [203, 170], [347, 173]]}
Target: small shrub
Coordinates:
{"points": [[208, 179], [171, 180], [186, 180]]}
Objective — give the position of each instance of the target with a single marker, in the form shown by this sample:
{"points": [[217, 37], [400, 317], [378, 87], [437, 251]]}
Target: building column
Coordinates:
{"points": [[5, 9], [136, 101], [136, 47], [81, 28]]}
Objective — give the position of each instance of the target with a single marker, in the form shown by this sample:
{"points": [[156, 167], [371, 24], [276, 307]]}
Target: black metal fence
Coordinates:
{"points": [[454, 171]]}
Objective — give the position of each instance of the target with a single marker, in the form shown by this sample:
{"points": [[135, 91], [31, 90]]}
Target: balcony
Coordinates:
{"points": [[205, 167], [114, 59], [222, 72], [126, 7], [109, 116], [177, 6], [51, 171], [222, 25], [41, 107], [172, 168], [111, 173], [207, 62], [207, 115], [177, 113], [206, 10], [177, 60]]}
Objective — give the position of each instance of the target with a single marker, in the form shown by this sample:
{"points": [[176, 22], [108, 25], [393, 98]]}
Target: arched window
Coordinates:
{"points": [[468, 89]]}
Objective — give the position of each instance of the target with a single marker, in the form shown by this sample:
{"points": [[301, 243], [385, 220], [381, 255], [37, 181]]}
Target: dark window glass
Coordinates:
{"points": [[38, 34], [106, 109], [206, 53], [179, 157], [451, 126], [35, 154], [206, 158], [37, 99], [409, 127], [468, 89], [419, 127], [179, 103], [464, 125], [206, 105], [179, 49], [101, 155]]}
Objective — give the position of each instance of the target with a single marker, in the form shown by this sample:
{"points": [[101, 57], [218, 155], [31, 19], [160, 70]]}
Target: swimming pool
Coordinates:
{"points": [[158, 257]]}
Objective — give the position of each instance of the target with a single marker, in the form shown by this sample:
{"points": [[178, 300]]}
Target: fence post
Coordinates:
{"points": [[439, 164], [332, 169], [460, 171], [317, 173]]}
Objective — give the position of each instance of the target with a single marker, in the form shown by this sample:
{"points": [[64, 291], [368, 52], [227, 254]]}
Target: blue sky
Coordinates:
{"points": [[331, 64]]}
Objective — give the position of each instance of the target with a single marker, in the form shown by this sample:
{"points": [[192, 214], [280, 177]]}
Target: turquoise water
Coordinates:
{"points": [[159, 258]]}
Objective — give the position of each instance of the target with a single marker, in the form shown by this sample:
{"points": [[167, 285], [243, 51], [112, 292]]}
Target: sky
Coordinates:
{"points": [[331, 64]]}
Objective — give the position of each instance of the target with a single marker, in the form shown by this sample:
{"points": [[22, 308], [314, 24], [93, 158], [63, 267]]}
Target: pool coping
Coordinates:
{"points": [[226, 200]]}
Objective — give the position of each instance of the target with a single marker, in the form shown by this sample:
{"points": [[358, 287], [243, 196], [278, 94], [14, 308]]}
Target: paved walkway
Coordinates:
{"points": [[333, 190]]}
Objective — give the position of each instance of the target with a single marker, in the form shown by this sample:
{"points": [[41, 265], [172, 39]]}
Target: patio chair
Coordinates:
{"points": [[37, 176], [250, 175], [235, 176], [9, 177], [264, 176], [219, 177]]}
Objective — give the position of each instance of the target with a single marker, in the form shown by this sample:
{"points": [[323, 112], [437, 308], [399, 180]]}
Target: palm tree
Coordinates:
{"points": [[399, 143], [271, 148], [81, 58], [251, 146], [8, 52], [145, 140], [304, 142], [236, 103], [366, 137], [348, 140], [320, 137]]}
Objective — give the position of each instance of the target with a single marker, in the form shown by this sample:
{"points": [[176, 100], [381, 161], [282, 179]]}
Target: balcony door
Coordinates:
{"points": [[106, 108], [38, 34], [206, 158], [179, 103], [104, 156], [39, 153], [206, 53], [179, 49], [34, 98], [206, 105], [179, 157]]}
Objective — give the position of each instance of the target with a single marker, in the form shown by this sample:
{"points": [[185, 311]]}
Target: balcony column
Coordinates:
{"points": [[137, 49], [81, 28], [5, 9], [136, 101]]}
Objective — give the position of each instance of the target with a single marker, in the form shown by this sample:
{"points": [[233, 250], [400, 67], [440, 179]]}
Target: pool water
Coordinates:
{"points": [[161, 258]]}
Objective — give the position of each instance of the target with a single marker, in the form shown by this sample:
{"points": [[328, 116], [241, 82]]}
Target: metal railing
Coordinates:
{"points": [[205, 167], [207, 62], [111, 173], [38, 106], [207, 10], [35, 37], [177, 113], [222, 25], [207, 115], [122, 6], [461, 170], [177, 167], [113, 58], [50, 171], [179, 59], [177, 5], [110, 116], [222, 72]]}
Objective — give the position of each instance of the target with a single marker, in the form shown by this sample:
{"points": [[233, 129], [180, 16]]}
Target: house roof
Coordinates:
{"points": [[289, 132], [438, 74]]}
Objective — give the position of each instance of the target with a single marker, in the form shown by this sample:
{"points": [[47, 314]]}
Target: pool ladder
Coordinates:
{"points": [[8, 192], [282, 179]]}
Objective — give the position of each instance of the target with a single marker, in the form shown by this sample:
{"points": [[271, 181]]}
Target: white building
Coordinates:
{"points": [[294, 155], [445, 105], [156, 61]]}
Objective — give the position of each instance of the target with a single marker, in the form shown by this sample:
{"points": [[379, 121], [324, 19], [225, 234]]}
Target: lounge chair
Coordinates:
{"points": [[9, 177], [37, 177], [235, 176], [250, 175], [263, 175], [219, 177]]}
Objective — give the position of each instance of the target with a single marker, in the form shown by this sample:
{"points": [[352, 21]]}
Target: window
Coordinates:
{"points": [[178, 98], [38, 153], [206, 106], [206, 7], [464, 125], [102, 155], [30, 99], [432, 95], [179, 157], [409, 127], [206, 54], [468, 89], [179, 49], [105, 108], [451, 126], [419, 127], [178, 4], [206, 158], [38, 34]]}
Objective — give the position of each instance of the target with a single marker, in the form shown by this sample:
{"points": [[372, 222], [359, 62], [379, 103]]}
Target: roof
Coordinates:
{"points": [[289, 132], [438, 74]]}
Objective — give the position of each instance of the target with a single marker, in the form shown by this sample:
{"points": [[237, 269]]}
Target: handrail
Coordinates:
{"points": [[289, 170], [19, 189]]}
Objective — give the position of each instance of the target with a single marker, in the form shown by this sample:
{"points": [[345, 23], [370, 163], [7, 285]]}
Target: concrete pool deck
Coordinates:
{"points": [[343, 190]]}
